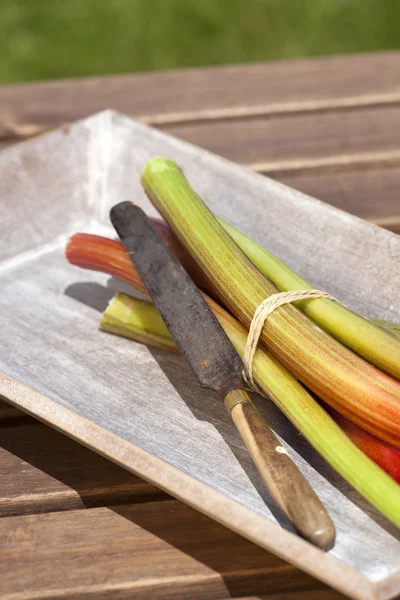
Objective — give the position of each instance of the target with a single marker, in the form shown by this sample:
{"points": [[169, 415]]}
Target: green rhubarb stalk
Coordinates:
{"points": [[377, 345], [286, 392], [362, 335], [341, 378], [136, 320]]}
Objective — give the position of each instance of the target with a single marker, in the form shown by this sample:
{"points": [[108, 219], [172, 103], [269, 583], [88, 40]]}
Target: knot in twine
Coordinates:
{"points": [[261, 314]]}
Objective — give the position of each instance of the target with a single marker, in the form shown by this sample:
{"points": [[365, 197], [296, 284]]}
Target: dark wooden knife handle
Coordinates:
{"points": [[286, 484]]}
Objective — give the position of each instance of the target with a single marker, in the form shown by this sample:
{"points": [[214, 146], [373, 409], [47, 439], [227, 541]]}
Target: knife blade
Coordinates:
{"points": [[217, 366]]}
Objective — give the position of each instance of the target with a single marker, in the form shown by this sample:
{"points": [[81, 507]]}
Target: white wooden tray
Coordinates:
{"points": [[140, 407]]}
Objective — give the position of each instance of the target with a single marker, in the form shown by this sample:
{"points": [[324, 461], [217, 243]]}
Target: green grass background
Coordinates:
{"points": [[42, 39]]}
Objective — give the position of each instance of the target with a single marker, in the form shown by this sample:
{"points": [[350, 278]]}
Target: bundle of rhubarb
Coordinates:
{"points": [[333, 373]]}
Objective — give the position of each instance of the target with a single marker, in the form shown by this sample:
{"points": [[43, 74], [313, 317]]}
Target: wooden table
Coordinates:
{"points": [[76, 526]]}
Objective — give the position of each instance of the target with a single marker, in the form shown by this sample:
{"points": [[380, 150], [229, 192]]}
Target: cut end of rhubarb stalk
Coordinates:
{"points": [[136, 320], [160, 165]]}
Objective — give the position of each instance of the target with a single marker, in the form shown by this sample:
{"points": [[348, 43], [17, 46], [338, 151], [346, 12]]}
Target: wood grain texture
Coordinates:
{"points": [[281, 141], [199, 90], [44, 471], [285, 482], [308, 595], [392, 223], [351, 126], [8, 411], [107, 553], [371, 193]]}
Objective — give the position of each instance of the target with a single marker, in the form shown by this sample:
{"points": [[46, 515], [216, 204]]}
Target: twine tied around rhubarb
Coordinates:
{"points": [[261, 314]]}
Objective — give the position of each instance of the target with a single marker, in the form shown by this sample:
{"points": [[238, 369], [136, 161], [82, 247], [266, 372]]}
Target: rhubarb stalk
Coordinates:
{"points": [[370, 338], [377, 345], [382, 453], [331, 371]]}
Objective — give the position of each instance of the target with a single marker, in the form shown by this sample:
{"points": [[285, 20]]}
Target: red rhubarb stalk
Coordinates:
{"points": [[383, 454]]}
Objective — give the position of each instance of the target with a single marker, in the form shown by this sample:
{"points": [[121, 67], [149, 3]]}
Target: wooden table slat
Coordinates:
{"points": [[308, 595], [191, 90], [280, 141], [152, 550], [372, 194], [8, 411], [42, 470]]}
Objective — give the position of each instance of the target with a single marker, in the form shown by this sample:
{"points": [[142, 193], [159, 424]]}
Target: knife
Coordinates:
{"points": [[217, 366]]}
